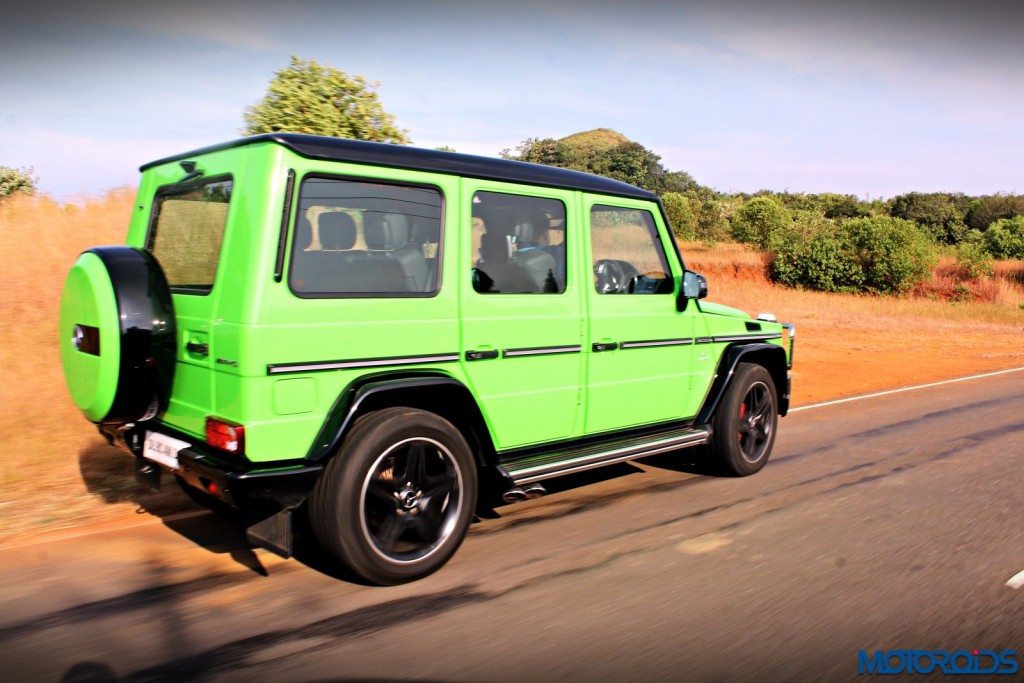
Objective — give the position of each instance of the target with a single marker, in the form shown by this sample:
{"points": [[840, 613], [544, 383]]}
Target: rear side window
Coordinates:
{"points": [[187, 232], [518, 244], [355, 238]]}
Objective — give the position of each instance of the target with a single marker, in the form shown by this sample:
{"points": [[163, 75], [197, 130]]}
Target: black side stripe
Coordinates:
{"points": [[316, 366], [650, 343], [540, 351], [747, 337]]}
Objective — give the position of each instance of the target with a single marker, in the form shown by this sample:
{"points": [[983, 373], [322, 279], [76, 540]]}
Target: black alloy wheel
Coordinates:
{"points": [[411, 499], [755, 422], [744, 424], [395, 502]]}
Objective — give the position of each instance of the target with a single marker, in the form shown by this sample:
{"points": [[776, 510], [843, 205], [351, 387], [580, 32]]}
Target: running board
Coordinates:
{"points": [[529, 469]]}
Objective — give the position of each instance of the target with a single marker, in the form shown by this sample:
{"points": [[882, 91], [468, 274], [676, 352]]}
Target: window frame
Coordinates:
{"points": [[344, 177], [528, 195], [171, 189], [598, 203]]}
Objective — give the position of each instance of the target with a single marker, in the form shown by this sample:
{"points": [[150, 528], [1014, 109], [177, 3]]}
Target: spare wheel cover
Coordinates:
{"points": [[118, 340]]}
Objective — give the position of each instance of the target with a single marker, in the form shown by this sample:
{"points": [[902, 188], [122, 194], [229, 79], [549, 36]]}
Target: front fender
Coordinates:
{"points": [[771, 356]]}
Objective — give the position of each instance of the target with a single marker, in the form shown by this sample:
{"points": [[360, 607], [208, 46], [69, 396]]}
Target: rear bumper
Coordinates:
{"points": [[240, 483]]}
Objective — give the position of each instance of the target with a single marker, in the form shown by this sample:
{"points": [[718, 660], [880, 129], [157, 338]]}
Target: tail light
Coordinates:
{"points": [[226, 436]]}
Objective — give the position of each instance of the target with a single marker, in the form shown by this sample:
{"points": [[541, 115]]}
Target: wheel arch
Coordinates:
{"points": [[438, 393], [771, 356]]}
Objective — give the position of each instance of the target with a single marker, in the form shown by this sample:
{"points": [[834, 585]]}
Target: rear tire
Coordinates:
{"points": [[395, 503], [745, 422]]}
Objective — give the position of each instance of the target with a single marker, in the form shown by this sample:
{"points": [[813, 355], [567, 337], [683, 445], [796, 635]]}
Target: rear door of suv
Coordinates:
{"points": [[521, 310]]}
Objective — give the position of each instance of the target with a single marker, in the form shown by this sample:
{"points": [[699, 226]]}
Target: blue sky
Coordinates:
{"points": [[869, 98]]}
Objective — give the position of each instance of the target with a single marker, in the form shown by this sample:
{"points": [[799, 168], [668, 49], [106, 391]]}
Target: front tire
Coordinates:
{"points": [[744, 425], [395, 503]]}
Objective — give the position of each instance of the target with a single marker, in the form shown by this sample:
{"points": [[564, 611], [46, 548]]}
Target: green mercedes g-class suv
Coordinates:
{"points": [[376, 336]]}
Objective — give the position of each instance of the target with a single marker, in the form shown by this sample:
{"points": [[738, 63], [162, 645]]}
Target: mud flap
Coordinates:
{"points": [[270, 528]]}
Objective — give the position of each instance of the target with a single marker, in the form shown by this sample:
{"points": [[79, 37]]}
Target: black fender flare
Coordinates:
{"points": [[771, 356], [403, 388]]}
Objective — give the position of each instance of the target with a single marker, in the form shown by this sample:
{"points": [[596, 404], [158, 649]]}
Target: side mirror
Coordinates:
{"points": [[695, 286]]}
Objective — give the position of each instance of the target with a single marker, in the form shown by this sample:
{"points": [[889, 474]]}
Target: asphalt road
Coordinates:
{"points": [[887, 523]]}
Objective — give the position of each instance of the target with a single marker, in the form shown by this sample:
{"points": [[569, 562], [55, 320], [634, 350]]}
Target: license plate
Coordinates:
{"points": [[162, 449]]}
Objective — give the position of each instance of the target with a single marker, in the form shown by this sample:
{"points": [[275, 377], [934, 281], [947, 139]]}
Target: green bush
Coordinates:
{"points": [[680, 215], [822, 262], [16, 180], [894, 254], [1004, 239], [879, 254], [972, 259], [757, 221]]}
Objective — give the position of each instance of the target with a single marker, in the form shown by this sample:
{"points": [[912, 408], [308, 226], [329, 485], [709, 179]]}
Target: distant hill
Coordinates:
{"points": [[592, 142]]}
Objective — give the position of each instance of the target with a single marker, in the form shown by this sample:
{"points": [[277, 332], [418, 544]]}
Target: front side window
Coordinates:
{"points": [[356, 238], [627, 255], [187, 232], [518, 244]]}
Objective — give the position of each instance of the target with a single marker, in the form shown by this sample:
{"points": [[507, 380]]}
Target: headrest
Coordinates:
{"points": [[424, 231], [337, 231], [385, 232], [493, 248], [499, 220], [532, 226]]}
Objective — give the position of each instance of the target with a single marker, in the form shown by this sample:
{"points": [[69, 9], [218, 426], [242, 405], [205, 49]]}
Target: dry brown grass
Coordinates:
{"points": [[55, 471], [54, 468]]}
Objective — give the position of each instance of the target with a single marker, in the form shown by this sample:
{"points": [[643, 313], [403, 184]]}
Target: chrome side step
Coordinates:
{"points": [[533, 468]]}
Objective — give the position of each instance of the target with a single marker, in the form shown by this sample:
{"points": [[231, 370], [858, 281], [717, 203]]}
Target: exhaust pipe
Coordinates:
{"points": [[528, 492]]}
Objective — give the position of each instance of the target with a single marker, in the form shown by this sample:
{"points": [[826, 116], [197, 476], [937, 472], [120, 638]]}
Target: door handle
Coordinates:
{"points": [[605, 346], [198, 349], [482, 354]]}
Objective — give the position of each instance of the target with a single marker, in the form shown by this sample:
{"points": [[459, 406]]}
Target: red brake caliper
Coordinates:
{"points": [[743, 414]]}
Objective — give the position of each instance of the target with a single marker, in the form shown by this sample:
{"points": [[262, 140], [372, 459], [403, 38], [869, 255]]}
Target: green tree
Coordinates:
{"points": [[604, 152], [842, 206], [982, 212], [758, 221], [936, 212], [711, 222], [680, 215], [1004, 239], [14, 180], [306, 97]]}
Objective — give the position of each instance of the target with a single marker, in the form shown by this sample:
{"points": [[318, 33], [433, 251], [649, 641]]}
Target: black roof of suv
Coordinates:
{"points": [[415, 158]]}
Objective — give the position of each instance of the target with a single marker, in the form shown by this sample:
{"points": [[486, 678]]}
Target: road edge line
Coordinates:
{"points": [[900, 390]]}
